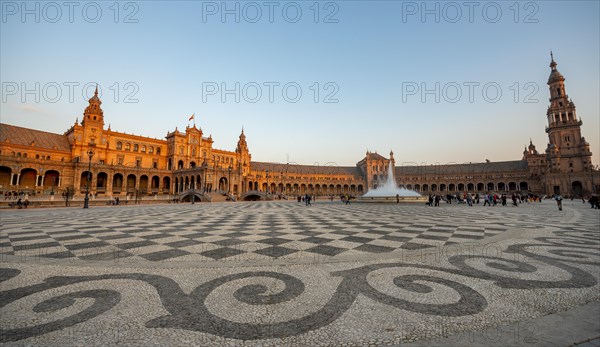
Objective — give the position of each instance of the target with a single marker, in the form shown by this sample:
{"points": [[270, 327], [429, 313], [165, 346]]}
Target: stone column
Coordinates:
{"points": [[109, 184]]}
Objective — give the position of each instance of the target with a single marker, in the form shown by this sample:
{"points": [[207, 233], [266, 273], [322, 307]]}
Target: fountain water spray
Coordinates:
{"points": [[389, 188]]}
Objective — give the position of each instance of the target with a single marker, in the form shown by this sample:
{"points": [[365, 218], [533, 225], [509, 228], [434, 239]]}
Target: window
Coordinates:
{"points": [[151, 150], [120, 159], [136, 147], [158, 150], [119, 145], [37, 156], [24, 155], [128, 146], [155, 164], [47, 157], [138, 162], [143, 149]]}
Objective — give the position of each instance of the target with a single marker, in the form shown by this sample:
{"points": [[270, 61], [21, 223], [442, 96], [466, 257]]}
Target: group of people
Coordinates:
{"points": [[593, 200], [489, 199], [308, 198], [21, 202]]}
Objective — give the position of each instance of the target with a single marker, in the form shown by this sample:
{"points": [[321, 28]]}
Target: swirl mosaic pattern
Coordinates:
{"points": [[455, 287]]}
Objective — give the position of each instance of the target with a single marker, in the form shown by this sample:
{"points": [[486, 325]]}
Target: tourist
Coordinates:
{"points": [[397, 198], [486, 200], [430, 200], [558, 199], [503, 197], [437, 200], [469, 200]]}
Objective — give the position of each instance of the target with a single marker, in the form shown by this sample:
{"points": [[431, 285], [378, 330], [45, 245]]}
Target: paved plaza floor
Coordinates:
{"points": [[281, 273]]}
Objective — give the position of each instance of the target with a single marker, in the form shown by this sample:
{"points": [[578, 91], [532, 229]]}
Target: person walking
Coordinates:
{"points": [[397, 198], [558, 199]]}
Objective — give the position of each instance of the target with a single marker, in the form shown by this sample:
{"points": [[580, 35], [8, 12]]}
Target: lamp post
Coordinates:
{"points": [[593, 185], [194, 193], [267, 181], [86, 201], [41, 179], [570, 186], [204, 168], [229, 181]]}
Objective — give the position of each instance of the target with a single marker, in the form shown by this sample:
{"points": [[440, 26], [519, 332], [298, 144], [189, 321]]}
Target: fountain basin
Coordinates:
{"points": [[392, 199]]}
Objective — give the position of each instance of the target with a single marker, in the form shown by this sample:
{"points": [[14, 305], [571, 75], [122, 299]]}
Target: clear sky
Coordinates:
{"points": [[361, 67]]}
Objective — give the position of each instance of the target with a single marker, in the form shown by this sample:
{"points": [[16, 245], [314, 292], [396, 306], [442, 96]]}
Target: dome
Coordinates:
{"points": [[95, 98], [555, 76]]}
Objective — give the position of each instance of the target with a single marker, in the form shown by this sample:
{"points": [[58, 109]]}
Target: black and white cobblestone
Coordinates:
{"points": [[519, 263]]}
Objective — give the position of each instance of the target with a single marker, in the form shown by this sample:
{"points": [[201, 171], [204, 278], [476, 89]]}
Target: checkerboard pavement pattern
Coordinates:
{"points": [[260, 230]]}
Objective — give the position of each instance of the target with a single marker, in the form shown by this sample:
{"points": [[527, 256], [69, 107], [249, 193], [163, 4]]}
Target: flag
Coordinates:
{"points": [[192, 117]]}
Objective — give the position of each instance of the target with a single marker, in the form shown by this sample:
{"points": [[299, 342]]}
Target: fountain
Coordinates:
{"points": [[388, 191]]}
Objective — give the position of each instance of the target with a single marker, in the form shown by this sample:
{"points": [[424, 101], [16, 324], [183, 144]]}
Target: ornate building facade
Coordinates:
{"points": [[120, 164]]}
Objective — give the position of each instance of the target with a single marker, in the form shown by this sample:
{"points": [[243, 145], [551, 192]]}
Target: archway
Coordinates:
{"points": [[85, 176], [154, 184], [166, 184], [577, 188], [143, 183], [131, 183], [523, 186], [101, 182], [117, 184], [5, 176], [51, 179], [223, 185], [28, 177]]}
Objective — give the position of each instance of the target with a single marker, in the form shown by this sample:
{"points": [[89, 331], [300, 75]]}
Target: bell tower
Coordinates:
{"points": [[93, 120], [243, 154], [567, 150]]}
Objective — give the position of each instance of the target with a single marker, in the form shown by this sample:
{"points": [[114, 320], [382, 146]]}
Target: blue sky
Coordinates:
{"points": [[156, 62]]}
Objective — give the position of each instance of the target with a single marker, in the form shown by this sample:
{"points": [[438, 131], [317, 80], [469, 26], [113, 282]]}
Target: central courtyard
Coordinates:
{"points": [[282, 273]]}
